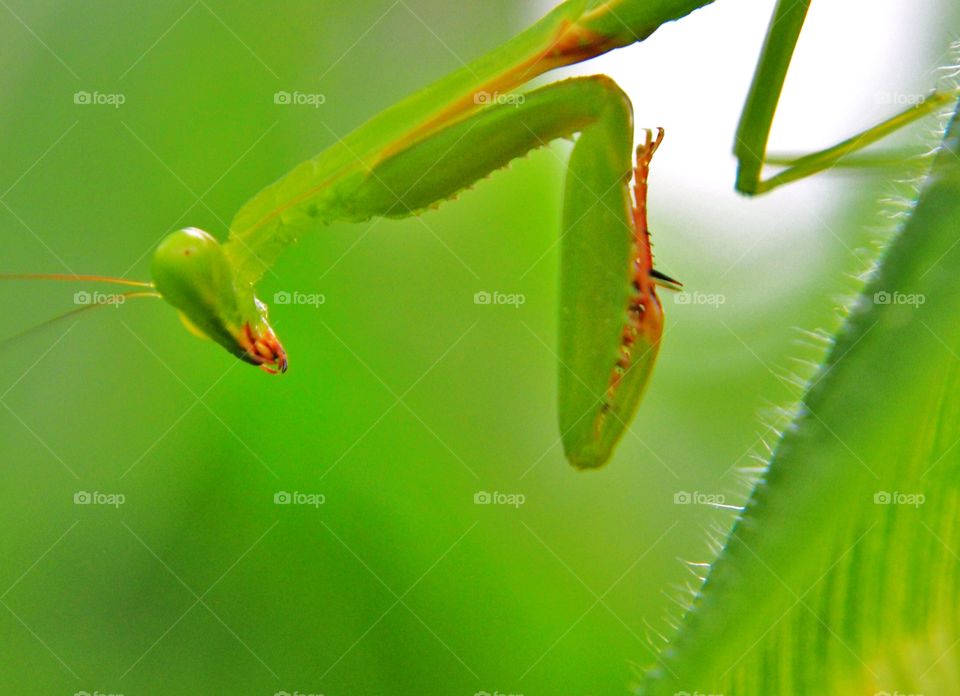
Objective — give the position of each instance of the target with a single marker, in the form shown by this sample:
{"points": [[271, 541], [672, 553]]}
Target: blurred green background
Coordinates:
{"points": [[405, 399]]}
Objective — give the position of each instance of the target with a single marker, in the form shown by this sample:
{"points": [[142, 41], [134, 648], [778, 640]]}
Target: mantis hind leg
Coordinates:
{"points": [[753, 133]]}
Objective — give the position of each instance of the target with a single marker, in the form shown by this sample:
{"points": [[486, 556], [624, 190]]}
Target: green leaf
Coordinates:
{"points": [[842, 575]]}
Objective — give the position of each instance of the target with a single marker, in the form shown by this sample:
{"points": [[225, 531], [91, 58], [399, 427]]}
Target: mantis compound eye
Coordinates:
{"points": [[192, 272]]}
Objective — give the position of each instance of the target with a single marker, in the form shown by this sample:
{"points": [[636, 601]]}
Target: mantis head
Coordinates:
{"points": [[192, 272]]}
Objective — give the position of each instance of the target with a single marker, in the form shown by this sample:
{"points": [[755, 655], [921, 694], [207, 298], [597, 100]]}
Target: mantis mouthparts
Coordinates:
{"points": [[266, 351]]}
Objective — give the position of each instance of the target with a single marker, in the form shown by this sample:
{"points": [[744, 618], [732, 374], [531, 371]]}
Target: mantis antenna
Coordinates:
{"points": [[71, 277], [134, 294]]}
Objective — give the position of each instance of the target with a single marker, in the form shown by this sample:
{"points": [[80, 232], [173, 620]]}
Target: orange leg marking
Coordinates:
{"points": [[644, 314]]}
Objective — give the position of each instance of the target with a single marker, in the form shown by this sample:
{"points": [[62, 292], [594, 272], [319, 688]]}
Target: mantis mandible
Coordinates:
{"points": [[436, 143]]}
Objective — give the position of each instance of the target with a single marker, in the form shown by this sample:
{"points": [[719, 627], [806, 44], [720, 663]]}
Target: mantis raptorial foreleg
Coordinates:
{"points": [[611, 320], [753, 133]]}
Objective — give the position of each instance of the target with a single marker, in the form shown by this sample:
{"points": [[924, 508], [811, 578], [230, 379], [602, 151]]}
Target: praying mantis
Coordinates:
{"points": [[433, 145]]}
